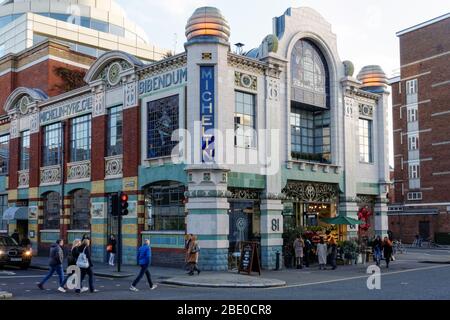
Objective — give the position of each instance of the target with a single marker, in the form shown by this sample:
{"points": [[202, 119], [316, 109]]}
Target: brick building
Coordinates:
{"points": [[50, 66], [421, 116]]}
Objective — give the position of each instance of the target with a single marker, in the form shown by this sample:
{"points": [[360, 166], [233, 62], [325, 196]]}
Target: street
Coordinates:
{"points": [[407, 278]]}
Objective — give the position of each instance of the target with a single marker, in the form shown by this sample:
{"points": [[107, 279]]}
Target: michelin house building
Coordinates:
{"points": [[230, 147]]}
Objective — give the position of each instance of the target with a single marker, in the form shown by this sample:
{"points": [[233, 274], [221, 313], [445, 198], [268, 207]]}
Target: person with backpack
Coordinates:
{"points": [[111, 248], [84, 262], [194, 251], [144, 258], [56, 260]]}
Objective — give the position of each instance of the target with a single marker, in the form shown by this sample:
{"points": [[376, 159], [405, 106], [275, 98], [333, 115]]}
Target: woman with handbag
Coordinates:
{"points": [[111, 249], [193, 251], [84, 262]]}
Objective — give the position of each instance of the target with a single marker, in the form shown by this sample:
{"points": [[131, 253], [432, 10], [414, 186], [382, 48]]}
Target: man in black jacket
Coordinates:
{"points": [[56, 265]]}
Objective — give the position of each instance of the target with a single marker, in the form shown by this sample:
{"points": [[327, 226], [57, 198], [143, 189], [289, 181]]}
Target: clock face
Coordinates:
{"points": [[114, 73], [23, 104]]}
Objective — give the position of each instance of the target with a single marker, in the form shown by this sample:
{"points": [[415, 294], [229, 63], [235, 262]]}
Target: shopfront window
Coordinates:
{"points": [[25, 150], [52, 207], [80, 140], [81, 214], [163, 117], [4, 154], [114, 143], [165, 209], [51, 145]]}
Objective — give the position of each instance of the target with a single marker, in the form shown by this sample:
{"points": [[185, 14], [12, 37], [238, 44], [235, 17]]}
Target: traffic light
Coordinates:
{"points": [[114, 205], [123, 204]]}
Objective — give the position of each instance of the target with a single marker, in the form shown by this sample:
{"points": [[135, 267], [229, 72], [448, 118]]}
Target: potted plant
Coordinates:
{"points": [[350, 250]]}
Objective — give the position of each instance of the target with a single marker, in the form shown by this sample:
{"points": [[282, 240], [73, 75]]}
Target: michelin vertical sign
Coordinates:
{"points": [[207, 107]]}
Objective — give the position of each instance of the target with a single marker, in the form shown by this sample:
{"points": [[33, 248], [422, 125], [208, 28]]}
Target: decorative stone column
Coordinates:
{"points": [[381, 217], [208, 214], [271, 231], [348, 207]]}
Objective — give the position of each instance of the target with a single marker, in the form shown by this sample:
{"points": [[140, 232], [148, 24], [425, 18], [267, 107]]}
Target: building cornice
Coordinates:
{"points": [[170, 63]]}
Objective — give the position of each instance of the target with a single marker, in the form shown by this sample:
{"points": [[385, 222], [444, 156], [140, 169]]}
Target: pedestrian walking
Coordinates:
{"points": [[56, 260], [377, 247], [85, 264], [186, 248], [144, 259], [111, 249], [15, 236], [73, 254], [194, 251], [387, 250], [333, 253], [322, 254], [299, 253], [308, 248]]}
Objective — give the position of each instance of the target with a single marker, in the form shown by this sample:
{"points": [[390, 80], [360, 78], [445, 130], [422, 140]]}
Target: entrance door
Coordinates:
{"points": [[241, 217], [22, 229], [424, 230]]}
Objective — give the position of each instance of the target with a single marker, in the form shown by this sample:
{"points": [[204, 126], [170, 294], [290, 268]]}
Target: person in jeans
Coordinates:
{"points": [[112, 243], [85, 248], [144, 259], [56, 265]]}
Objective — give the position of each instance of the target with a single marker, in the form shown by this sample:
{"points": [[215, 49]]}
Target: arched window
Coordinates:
{"points": [[164, 204], [310, 76], [52, 207], [310, 104], [81, 212]]}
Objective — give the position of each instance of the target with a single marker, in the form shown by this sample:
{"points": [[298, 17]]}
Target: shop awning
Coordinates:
{"points": [[16, 213], [342, 220]]}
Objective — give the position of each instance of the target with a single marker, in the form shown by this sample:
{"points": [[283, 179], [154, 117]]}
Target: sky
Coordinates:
{"points": [[365, 29]]}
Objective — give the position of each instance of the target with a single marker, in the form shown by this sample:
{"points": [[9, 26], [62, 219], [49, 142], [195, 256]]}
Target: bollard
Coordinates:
{"points": [[277, 265]]}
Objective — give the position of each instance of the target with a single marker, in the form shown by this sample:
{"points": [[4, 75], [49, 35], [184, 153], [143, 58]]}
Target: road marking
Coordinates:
{"points": [[8, 273], [18, 277], [354, 278], [117, 285], [27, 290]]}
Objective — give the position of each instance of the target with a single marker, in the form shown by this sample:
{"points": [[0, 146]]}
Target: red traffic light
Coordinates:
{"points": [[124, 197]]}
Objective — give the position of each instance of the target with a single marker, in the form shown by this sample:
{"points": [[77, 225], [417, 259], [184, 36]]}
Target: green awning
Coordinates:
{"points": [[342, 220]]}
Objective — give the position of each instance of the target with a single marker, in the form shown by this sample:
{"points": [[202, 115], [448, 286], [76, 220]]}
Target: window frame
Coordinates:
{"points": [[47, 130], [4, 164], [80, 122], [241, 130], [411, 87], [365, 157], [116, 111], [25, 146], [414, 171]]}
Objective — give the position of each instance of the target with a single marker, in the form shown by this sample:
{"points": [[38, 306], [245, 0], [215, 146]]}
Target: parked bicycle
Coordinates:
{"points": [[398, 247]]}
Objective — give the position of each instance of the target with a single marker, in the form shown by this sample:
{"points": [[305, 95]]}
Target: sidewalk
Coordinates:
{"points": [[268, 278]]}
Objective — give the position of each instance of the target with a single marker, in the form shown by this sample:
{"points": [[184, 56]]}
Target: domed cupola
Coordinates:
{"points": [[207, 24], [373, 79]]}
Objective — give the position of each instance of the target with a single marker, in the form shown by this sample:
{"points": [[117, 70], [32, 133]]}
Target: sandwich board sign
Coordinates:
{"points": [[249, 258]]}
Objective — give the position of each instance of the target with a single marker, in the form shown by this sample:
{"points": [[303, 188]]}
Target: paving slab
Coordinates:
{"points": [[225, 280]]}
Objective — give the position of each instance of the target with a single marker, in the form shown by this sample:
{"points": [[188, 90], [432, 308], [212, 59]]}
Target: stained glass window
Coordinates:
{"points": [[309, 72], [81, 213], [163, 117], [52, 211]]}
